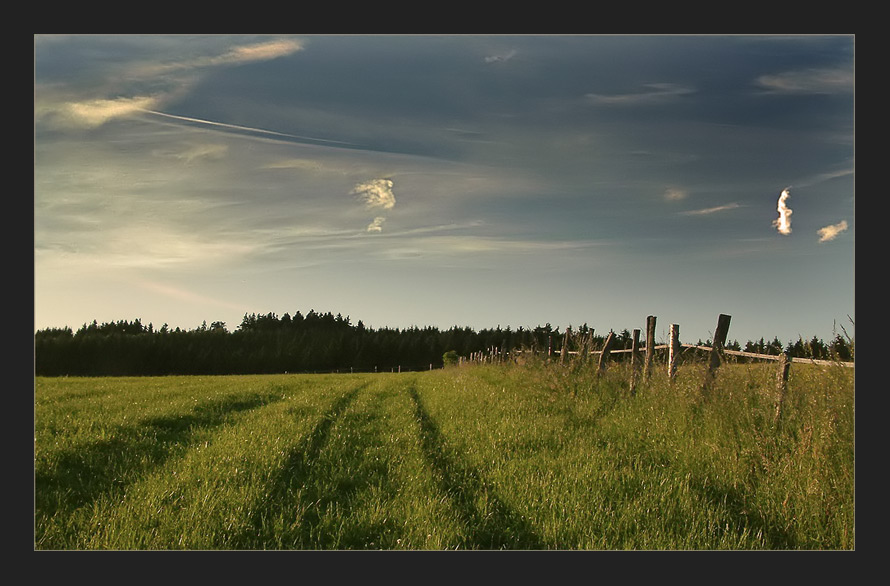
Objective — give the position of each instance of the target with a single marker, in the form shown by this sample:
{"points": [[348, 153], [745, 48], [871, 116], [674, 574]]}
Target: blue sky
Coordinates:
{"points": [[447, 180]]}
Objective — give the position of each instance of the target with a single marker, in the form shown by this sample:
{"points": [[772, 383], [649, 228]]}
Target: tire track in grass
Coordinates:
{"points": [[499, 527], [107, 466], [294, 478]]}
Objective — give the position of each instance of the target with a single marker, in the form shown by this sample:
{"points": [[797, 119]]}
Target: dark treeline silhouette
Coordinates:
{"points": [[314, 342]]}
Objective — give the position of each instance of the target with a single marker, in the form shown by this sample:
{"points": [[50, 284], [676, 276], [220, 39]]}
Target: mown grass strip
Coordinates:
{"points": [[494, 527]]}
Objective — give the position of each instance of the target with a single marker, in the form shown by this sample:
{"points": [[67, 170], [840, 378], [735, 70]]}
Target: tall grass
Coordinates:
{"points": [[537, 456]]}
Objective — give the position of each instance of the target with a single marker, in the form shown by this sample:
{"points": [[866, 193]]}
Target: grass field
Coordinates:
{"points": [[475, 457]]}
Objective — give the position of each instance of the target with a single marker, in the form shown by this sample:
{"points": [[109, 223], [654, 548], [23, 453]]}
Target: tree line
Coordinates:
{"points": [[317, 342]]}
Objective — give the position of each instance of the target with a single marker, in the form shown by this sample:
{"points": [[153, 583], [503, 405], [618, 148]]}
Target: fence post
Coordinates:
{"points": [[634, 361], [604, 357], [565, 345], [782, 384], [650, 344], [716, 351], [674, 352]]}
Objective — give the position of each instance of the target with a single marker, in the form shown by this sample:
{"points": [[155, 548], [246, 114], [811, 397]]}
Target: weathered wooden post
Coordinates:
{"points": [[674, 352], [716, 357], [563, 353], [604, 356], [635, 364], [782, 384], [650, 344]]}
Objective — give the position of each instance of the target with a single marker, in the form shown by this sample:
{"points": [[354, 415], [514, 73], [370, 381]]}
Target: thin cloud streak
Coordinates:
{"points": [[809, 81], [713, 210], [183, 295], [244, 128], [657, 93]]}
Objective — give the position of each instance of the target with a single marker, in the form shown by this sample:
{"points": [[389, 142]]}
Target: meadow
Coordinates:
{"points": [[538, 456]]}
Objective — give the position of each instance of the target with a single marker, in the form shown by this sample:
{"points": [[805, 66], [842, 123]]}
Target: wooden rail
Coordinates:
{"points": [[717, 355]]}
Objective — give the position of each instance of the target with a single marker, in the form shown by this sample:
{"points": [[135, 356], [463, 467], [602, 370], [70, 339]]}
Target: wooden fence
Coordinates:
{"points": [[642, 358]]}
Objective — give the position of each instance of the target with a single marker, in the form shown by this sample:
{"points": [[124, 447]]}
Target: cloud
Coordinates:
{"points": [[93, 113], [783, 222], [501, 57], [209, 151], [377, 224], [674, 194], [713, 210], [808, 81], [239, 55], [376, 193], [658, 92], [96, 111], [831, 232], [183, 295]]}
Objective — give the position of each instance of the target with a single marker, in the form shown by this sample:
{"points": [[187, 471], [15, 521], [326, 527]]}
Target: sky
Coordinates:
{"points": [[448, 180]]}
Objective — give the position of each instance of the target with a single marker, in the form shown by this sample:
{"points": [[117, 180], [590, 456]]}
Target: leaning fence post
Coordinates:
{"points": [[782, 384], [604, 356], [634, 361], [674, 352], [650, 344], [565, 345], [716, 351]]}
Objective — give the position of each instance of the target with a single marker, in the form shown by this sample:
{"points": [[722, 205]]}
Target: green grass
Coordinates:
{"points": [[539, 456]]}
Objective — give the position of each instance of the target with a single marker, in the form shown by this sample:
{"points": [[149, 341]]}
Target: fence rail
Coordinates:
{"points": [[717, 354], [754, 355]]}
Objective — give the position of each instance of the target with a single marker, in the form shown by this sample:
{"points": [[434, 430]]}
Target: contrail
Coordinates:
{"points": [[237, 127], [783, 222]]}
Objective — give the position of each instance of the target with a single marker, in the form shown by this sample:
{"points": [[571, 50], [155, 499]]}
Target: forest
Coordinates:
{"points": [[318, 342]]}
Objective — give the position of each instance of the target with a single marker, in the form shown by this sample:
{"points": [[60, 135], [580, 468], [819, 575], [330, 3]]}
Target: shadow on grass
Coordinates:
{"points": [[497, 528], [295, 481], [744, 516], [108, 466]]}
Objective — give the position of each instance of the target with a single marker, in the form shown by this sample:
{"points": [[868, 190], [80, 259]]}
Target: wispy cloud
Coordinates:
{"points": [[675, 194], [183, 295], [264, 51], [501, 57], [655, 93], [831, 232], [174, 77], [713, 210], [202, 151], [808, 81], [93, 113]]}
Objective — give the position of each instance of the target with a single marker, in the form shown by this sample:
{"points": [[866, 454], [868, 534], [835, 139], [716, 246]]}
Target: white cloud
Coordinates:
{"points": [[93, 113], [831, 232], [783, 222], [377, 224], [376, 193]]}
